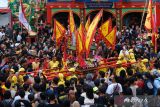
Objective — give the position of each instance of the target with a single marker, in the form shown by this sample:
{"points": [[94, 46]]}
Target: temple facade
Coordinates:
{"points": [[121, 11]]}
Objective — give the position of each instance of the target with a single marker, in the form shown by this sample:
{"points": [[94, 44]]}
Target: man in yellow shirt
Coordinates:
{"points": [[53, 64], [142, 65], [131, 56], [119, 68], [101, 63], [122, 58], [35, 64]]}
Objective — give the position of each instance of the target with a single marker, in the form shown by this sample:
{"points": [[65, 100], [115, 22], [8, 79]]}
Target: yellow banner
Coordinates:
{"points": [[80, 38], [71, 21], [87, 24], [91, 31], [58, 30], [148, 22], [111, 37], [105, 27]]}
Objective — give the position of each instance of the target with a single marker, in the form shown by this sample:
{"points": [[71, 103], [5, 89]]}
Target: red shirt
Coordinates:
{"points": [[140, 83]]}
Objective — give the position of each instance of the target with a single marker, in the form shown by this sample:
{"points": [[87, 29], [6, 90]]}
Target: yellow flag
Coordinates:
{"points": [[106, 27], [79, 46], [87, 24], [59, 30], [111, 38], [81, 31], [80, 38], [148, 22], [91, 31], [71, 21]]}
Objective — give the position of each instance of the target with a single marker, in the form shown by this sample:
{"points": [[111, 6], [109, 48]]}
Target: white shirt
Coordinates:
{"points": [[114, 87], [124, 52], [15, 99], [1, 35], [26, 95], [134, 88], [19, 38], [87, 101], [13, 93]]}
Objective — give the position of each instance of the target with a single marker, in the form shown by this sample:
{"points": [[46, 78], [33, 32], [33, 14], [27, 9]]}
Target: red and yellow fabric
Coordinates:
{"points": [[82, 32], [79, 38], [87, 24], [148, 22], [110, 39], [154, 32], [71, 22], [91, 32], [106, 27], [59, 30]]}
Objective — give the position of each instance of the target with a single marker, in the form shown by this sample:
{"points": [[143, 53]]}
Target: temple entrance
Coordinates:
{"points": [[62, 17], [106, 16], [133, 18]]}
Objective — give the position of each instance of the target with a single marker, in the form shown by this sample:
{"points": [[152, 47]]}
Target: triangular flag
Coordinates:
{"points": [[59, 31], [110, 39], [106, 27]]}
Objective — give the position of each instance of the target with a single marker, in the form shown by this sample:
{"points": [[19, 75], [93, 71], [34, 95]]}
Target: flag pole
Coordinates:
{"points": [[155, 26], [142, 19]]}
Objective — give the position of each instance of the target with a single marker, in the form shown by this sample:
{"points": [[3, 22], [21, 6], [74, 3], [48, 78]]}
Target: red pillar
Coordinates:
{"points": [[49, 15], [157, 11]]}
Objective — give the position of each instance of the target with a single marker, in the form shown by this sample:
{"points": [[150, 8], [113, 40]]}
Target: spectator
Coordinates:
{"points": [[7, 102], [18, 102]]}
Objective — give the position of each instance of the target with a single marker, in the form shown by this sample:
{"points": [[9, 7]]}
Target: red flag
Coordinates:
{"points": [[154, 32], [157, 14], [81, 61]]}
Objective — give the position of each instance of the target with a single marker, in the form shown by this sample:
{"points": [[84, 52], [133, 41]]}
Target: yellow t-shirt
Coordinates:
{"points": [[35, 65], [53, 64], [143, 67], [132, 58], [118, 70], [123, 60], [101, 63]]}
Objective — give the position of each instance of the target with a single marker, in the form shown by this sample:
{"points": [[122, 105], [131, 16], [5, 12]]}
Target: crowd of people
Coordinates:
{"points": [[136, 72]]}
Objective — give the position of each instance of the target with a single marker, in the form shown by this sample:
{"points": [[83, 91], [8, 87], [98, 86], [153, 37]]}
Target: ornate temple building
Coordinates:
{"points": [[122, 12]]}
